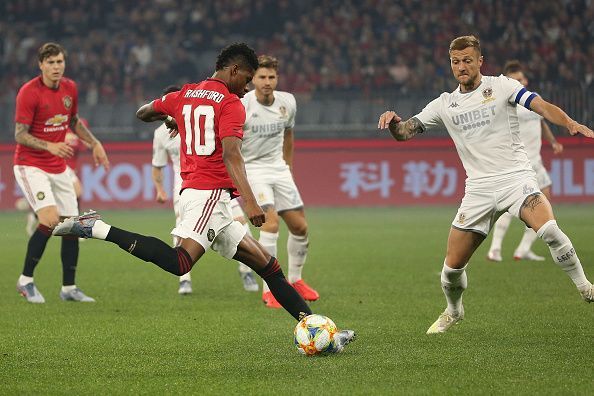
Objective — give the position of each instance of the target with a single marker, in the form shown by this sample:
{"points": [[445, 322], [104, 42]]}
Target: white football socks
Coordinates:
{"points": [[268, 241], [185, 277], [297, 247], [24, 280], [66, 289], [563, 253], [453, 284], [100, 229], [499, 230], [526, 242]]}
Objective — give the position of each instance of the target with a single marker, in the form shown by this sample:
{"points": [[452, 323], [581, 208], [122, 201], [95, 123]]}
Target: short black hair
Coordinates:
{"points": [[237, 52], [171, 88]]}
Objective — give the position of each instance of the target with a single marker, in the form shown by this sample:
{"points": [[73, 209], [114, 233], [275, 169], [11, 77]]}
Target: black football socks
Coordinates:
{"points": [[174, 260], [69, 254], [284, 293], [35, 248]]}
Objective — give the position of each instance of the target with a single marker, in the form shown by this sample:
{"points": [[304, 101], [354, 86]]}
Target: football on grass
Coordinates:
{"points": [[314, 335]]}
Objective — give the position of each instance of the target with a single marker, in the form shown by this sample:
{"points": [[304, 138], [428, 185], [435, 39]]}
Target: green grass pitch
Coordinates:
{"points": [[526, 329]]}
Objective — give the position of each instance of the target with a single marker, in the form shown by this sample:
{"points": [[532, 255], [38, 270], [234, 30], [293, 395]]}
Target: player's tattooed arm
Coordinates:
{"points": [[99, 155], [405, 130], [22, 136], [398, 129], [82, 131]]}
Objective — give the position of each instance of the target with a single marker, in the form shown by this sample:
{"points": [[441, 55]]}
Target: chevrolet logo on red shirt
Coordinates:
{"points": [[57, 120]]}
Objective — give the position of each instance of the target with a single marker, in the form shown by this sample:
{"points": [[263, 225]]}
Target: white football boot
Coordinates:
{"points": [[445, 321]]}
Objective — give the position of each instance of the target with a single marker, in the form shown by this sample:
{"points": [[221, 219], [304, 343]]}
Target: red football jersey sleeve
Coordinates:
{"points": [[231, 119], [167, 103], [26, 103]]}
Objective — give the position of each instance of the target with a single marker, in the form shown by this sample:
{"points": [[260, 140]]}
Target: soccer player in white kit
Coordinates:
{"points": [[532, 130], [268, 154], [165, 149], [481, 118]]}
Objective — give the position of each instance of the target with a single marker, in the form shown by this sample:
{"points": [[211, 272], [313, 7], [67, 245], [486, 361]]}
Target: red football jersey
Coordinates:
{"points": [[205, 113], [48, 113]]}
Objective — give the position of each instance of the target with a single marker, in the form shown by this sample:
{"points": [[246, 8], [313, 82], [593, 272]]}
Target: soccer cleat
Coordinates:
{"points": [[305, 290], [494, 255], [588, 294], [80, 226], [185, 287], [342, 339], [75, 295], [528, 255], [30, 292], [249, 281], [444, 322], [270, 301]]}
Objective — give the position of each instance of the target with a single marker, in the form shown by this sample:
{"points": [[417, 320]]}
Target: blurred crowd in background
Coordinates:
{"points": [[123, 51]]}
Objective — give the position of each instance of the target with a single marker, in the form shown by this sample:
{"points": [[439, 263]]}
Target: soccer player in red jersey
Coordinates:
{"points": [[46, 107], [209, 117]]}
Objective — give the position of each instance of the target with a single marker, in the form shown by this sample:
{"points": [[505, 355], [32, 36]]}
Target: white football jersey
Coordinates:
{"points": [[264, 128], [484, 127], [166, 148], [531, 133]]}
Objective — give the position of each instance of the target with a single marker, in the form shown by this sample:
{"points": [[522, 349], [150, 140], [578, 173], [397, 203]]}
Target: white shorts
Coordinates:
{"points": [[274, 187], [72, 174], [236, 209], [480, 208], [205, 216], [42, 189], [542, 176], [176, 198]]}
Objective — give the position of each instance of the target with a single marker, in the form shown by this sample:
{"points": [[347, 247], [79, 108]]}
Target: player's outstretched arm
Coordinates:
{"points": [[147, 113], [400, 130], [22, 136], [157, 176], [288, 143], [236, 169], [558, 117], [548, 135], [86, 136]]}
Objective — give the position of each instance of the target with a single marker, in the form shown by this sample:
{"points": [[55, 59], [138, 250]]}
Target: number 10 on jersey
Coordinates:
{"points": [[200, 138]]}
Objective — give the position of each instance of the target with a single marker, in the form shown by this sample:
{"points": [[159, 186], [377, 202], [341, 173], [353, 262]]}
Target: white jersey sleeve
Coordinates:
{"points": [[518, 94], [291, 110], [160, 157], [430, 116]]}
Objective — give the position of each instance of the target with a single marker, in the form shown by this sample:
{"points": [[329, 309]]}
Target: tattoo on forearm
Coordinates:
{"points": [[532, 202], [406, 130], [82, 131], [22, 136]]}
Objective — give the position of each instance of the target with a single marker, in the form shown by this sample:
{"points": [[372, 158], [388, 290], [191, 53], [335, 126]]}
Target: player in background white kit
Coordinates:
{"points": [[267, 150], [165, 149], [481, 118], [532, 130]]}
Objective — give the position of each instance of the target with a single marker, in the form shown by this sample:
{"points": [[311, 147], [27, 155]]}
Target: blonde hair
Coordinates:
{"points": [[463, 42]]}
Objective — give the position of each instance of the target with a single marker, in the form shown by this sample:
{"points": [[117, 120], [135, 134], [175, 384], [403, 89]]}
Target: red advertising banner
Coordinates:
{"points": [[328, 173]]}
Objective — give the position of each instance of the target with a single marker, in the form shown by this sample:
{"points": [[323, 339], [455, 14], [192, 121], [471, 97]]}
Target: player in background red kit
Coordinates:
{"points": [[46, 107], [71, 163], [209, 117]]}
